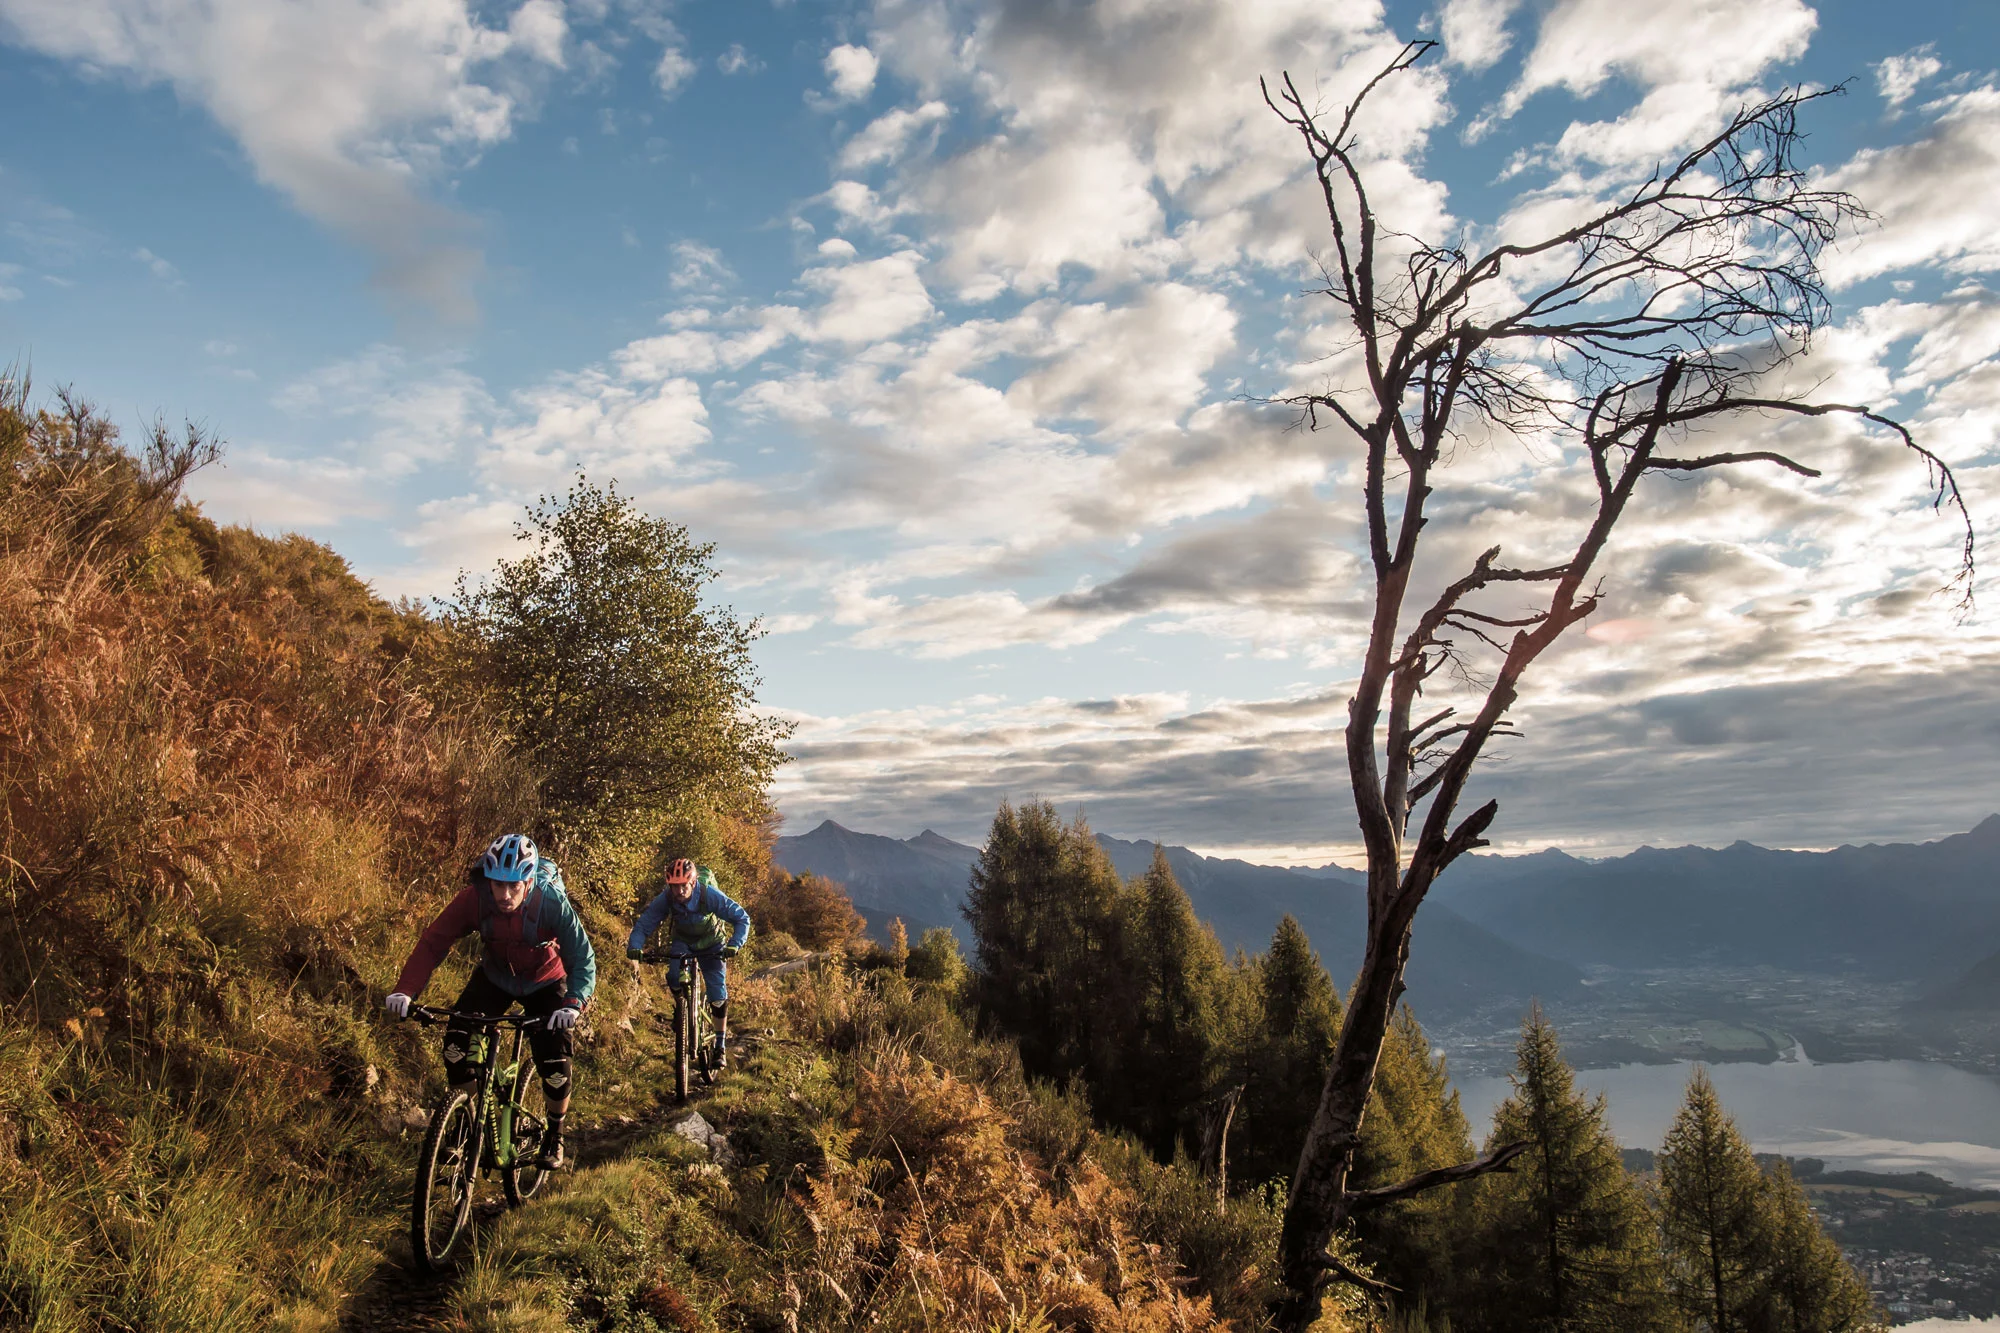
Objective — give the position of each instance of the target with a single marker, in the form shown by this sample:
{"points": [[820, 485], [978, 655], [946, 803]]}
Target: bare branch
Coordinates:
{"points": [[1723, 460], [1500, 1159], [1467, 835], [1346, 1272]]}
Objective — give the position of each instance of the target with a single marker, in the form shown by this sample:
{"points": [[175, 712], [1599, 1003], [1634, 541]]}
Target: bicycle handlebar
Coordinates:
{"points": [[428, 1015]]}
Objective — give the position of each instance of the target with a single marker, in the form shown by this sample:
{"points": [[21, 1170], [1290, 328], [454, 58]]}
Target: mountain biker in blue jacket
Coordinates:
{"points": [[696, 911]]}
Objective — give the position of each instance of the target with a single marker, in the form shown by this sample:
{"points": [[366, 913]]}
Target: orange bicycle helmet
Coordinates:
{"points": [[681, 872]]}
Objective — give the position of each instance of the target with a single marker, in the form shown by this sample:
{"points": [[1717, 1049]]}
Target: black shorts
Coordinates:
{"points": [[552, 1048]]}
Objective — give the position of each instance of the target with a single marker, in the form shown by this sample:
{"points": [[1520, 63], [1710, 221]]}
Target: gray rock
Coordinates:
{"points": [[695, 1129]]}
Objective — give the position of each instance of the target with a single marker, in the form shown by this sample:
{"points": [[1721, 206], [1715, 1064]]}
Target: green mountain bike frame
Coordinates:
{"points": [[495, 1122]]}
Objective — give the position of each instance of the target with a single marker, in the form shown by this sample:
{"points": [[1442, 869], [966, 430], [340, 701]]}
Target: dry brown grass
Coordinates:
{"points": [[223, 810]]}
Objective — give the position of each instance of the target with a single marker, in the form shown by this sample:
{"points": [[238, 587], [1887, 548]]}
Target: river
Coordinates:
{"points": [[1879, 1115]]}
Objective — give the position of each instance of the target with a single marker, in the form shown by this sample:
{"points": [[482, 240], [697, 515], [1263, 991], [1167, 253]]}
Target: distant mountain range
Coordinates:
{"points": [[1456, 966], [1502, 929], [1904, 910]]}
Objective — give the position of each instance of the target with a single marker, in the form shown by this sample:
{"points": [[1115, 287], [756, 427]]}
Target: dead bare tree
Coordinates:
{"points": [[1655, 315]]}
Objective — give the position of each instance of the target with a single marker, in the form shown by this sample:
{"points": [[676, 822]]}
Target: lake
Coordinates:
{"points": [[1879, 1115]]}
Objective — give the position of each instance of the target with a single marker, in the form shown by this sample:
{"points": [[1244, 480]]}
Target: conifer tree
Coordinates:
{"points": [[1173, 990], [1565, 1241], [1297, 1019], [1714, 1216], [1809, 1287], [1043, 908]]}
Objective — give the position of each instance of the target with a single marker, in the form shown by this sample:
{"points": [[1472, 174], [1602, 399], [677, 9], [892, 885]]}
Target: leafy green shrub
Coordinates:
{"points": [[935, 958]]}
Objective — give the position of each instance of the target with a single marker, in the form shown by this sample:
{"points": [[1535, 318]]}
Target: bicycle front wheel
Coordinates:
{"points": [[447, 1169], [530, 1119]]}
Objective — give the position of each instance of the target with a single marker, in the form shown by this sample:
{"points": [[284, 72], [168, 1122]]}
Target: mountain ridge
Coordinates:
{"points": [[1898, 909], [1461, 967]]}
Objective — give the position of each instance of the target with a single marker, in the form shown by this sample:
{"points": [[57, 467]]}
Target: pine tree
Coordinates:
{"points": [[1173, 992], [1043, 908], [1714, 1215], [1297, 1019], [1565, 1242], [1808, 1287]]}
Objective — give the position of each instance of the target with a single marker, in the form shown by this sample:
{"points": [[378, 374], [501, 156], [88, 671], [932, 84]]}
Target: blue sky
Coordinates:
{"points": [[942, 319]]}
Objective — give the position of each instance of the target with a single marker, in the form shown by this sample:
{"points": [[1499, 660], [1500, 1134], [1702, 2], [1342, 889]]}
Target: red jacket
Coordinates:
{"points": [[518, 967]]}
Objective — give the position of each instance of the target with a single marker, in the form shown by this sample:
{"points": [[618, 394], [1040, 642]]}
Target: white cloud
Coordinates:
{"points": [[410, 414], [459, 533], [888, 137], [699, 267], [615, 425], [1688, 58], [1139, 366], [8, 291], [858, 204], [1721, 43], [1935, 199], [539, 29], [1115, 117], [343, 106], [871, 300], [255, 485], [1899, 76], [850, 70], [675, 68], [158, 267], [1029, 210], [736, 60], [1475, 31]]}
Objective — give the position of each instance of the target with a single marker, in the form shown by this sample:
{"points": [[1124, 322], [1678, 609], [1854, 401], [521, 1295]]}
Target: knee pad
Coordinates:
{"points": [[555, 1077], [458, 1063]]}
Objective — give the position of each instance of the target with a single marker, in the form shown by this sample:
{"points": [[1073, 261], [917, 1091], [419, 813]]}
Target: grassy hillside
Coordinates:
{"points": [[231, 800], [888, 1170]]}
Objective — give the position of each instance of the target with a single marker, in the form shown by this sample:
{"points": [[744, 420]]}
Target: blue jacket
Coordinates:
{"points": [[697, 925]]}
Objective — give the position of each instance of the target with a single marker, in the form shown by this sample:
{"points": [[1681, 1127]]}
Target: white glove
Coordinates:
{"points": [[398, 1005], [563, 1019]]}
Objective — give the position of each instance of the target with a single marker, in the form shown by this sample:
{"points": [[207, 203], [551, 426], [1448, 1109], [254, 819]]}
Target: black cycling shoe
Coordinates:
{"points": [[552, 1157], [718, 1056]]}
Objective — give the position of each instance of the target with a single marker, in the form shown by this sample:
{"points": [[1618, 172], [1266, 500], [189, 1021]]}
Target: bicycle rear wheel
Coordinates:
{"points": [[683, 1041], [704, 1036], [529, 1109], [447, 1169]]}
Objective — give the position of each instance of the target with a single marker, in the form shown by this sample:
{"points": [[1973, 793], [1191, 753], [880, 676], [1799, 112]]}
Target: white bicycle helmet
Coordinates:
{"points": [[511, 858]]}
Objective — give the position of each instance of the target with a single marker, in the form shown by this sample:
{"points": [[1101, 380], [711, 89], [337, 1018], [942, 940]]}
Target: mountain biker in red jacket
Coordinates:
{"points": [[536, 952]]}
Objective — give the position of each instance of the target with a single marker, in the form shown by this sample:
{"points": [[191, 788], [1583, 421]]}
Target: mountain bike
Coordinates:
{"points": [[495, 1122], [694, 1030]]}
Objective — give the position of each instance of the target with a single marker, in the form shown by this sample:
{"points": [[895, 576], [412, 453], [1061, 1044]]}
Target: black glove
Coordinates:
{"points": [[635, 954], [730, 951]]}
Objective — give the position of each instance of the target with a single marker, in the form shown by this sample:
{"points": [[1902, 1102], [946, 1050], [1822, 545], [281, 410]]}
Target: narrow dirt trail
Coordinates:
{"points": [[397, 1298]]}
